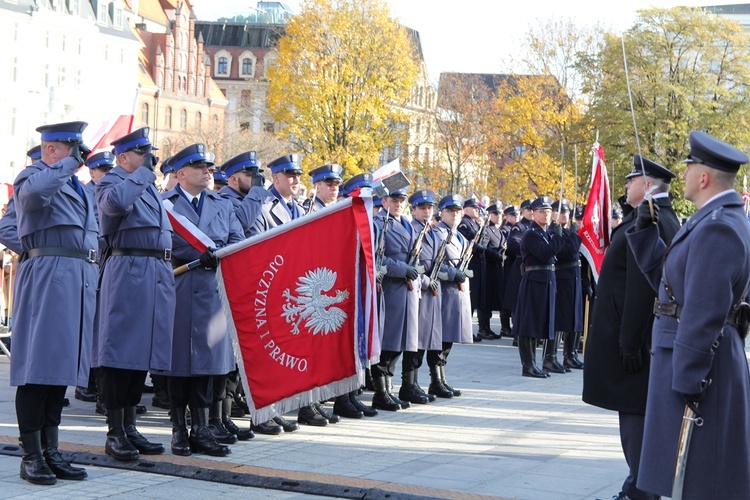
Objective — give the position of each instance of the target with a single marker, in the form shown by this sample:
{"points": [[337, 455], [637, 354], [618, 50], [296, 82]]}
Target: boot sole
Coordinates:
{"points": [[45, 482]]}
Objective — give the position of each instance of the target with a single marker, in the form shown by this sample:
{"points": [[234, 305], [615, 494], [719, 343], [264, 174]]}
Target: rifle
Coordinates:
{"points": [[468, 253], [435, 273], [380, 269], [413, 260], [311, 206]]}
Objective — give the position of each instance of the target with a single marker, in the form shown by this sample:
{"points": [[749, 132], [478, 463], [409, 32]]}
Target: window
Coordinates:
{"points": [[64, 40], [78, 78], [216, 120], [222, 69], [46, 40], [268, 127], [73, 6], [246, 99], [61, 75], [247, 66], [183, 119], [46, 75], [14, 70], [198, 120], [102, 12], [117, 21], [12, 121], [168, 117], [80, 46], [144, 113]]}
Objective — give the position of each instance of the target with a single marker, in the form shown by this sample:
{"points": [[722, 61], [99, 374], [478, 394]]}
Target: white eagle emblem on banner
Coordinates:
{"points": [[313, 306]]}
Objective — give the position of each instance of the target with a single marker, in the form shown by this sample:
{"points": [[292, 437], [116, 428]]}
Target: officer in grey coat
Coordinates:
{"points": [[399, 306], [244, 174], [136, 265], [201, 347], [326, 181], [699, 359], [55, 297], [456, 298], [279, 203]]}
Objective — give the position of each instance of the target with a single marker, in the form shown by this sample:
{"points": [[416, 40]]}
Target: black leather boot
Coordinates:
{"points": [[527, 351], [201, 439], [216, 425], [505, 329], [436, 384], [57, 464], [389, 384], [268, 428], [285, 424], [456, 392], [226, 419], [369, 385], [180, 442], [118, 445], [368, 411], [550, 363], [136, 438], [309, 416], [430, 397], [331, 417], [85, 394], [570, 354], [382, 399], [34, 468], [408, 391], [344, 407], [161, 392]]}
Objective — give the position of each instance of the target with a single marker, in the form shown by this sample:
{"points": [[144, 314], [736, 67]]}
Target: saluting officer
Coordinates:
{"points": [[202, 352], [244, 174], [55, 297], [139, 240], [326, 181], [455, 298]]}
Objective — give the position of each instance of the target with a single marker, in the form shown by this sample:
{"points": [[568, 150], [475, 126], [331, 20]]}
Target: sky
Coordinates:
{"points": [[479, 36]]}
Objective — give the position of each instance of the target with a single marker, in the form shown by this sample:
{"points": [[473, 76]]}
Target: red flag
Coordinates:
{"points": [[110, 131], [596, 222], [293, 304]]}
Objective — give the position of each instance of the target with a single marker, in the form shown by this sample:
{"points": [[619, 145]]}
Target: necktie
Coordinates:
{"points": [[194, 202], [76, 185]]}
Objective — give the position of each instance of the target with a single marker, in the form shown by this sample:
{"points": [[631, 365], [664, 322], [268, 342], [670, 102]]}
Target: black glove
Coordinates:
{"points": [[258, 179], [411, 273], [696, 398], [479, 249], [460, 276], [574, 227], [631, 359], [209, 259], [556, 229], [643, 216], [149, 161], [75, 153]]}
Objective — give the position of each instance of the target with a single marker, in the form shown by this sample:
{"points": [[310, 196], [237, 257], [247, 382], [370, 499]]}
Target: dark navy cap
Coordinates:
{"points": [[423, 197], [220, 178], [452, 201], [105, 159], [565, 206], [34, 153], [166, 166], [616, 213], [542, 203], [511, 210], [399, 193], [195, 154], [63, 132], [471, 202], [358, 181], [377, 202], [136, 140], [493, 209], [327, 173], [526, 204], [712, 152], [578, 214], [653, 169], [244, 162], [287, 164]]}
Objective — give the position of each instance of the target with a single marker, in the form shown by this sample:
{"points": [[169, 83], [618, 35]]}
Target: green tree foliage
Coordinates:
{"points": [[342, 68]]}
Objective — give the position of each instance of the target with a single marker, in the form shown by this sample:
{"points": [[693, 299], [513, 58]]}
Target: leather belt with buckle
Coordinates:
{"points": [[165, 254], [89, 255]]}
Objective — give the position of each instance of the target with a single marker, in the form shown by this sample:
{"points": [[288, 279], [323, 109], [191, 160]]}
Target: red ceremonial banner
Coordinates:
{"points": [[292, 296], [596, 222]]}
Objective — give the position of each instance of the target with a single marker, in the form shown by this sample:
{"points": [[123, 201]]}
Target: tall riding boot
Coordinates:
{"points": [[201, 439], [101, 409], [226, 418], [55, 460], [367, 411], [526, 349], [118, 445], [436, 384], [180, 442], [136, 438], [408, 391], [389, 384], [430, 397], [570, 356], [34, 468], [550, 362], [382, 400], [216, 425], [456, 392]]}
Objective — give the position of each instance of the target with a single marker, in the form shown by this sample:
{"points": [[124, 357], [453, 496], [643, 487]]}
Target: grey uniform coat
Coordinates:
{"points": [[708, 271], [400, 307], [9, 227], [273, 210], [55, 297], [569, 298], [201, 344], [456, 306], [246, 208], [136, 293], [430, 311]]}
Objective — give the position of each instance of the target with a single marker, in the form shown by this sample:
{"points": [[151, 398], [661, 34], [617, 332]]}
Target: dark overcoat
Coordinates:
{"points": [[55, 297], [569, 299], [456, 303], [535, 309], [430, 311], [201, 343], [708, 271], [622, 315], [512, 266], [478, 283], [494, 259]]}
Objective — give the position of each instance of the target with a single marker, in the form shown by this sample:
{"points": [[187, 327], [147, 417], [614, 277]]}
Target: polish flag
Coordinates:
{"points": [[186, 229], [596, 223]]}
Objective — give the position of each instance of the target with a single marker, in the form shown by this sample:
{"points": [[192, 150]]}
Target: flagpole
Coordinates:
{"points": [[562, 179], [575, 177]]}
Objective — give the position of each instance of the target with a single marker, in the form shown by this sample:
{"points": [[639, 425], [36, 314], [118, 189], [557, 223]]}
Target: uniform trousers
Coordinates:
{"points": [[122, 388], [439, 358], [412, 360], [219, 384], [39, 406], [387, 364], [631, 438], [197, 391], [233, 383]]}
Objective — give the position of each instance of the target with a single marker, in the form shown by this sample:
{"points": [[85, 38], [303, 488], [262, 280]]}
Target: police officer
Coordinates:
{"points": [[138, 236], [617, 367], [399, 306], [55, 297], [534, 317], [494, 244], [616, 217], [698, 345], [326, 181], [455, 298], [219, 181], [469, 227], [513, 260], [202, 352], [360, 181], [167, 171]]}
